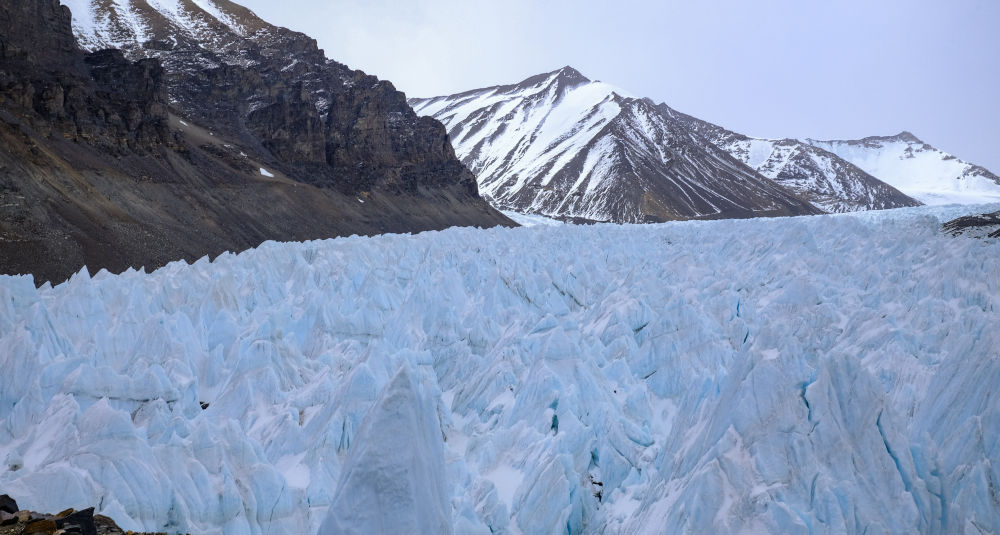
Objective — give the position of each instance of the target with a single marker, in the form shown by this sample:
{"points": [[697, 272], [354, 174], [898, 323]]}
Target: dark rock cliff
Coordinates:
{"points": [[275, 90], [37, 33], [100, 97], [115, 160]]}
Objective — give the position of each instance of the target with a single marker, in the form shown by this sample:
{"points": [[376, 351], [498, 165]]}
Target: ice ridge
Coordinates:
{"points": [[826, 374]]}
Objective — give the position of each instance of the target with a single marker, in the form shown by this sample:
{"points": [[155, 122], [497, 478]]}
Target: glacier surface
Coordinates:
{"points": [[826, 374]]}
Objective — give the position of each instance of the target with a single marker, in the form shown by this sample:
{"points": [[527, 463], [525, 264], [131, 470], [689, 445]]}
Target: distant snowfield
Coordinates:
{"points": [[826, 374], [921, 171]]}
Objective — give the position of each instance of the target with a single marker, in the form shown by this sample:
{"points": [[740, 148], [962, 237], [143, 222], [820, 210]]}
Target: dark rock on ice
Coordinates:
{"points": [[984, 224], [7, 504]]}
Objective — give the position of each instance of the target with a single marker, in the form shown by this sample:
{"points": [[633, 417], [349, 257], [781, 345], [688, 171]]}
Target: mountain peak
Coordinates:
{"points": [[566, 76], [569, 73], [905, 135]]}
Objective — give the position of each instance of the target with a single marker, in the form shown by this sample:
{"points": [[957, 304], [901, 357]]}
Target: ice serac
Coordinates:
{"points": [[561, 145], [824, 178], [394, 476], [918, 169], [829, 374]]}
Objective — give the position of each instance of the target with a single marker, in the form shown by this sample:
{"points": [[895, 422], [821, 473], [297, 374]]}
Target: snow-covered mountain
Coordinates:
{"points": [[918, 169], [561, 145], [830, 374], [825, 179], [218, 26]]}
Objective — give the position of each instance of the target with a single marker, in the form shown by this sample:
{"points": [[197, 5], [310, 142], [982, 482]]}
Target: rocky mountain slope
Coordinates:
{"points": [[175, 151], [918, 169], [561, 145], [825, 179]]}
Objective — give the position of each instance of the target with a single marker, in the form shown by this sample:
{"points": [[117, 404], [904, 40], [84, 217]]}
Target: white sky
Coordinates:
{"points": [[770, 68]]}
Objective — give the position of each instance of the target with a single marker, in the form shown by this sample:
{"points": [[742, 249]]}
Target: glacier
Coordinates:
{"points": [[823, 374]]}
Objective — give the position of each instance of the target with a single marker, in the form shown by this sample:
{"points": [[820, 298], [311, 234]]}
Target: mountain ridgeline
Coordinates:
{"points": [[828, 181], [930, 175], [563, 146], [197, 130]]}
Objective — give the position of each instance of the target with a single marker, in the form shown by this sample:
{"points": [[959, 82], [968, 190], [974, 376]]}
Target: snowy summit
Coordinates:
{"points": [[561, 145]]}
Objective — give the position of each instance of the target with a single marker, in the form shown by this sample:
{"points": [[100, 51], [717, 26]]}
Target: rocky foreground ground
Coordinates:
{"points": [[14, 521]]}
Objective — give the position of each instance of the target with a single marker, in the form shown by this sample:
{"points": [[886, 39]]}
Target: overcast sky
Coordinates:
{"points": [[828, 69]]}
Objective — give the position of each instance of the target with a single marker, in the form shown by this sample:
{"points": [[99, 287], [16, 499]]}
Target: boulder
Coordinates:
{"points": [[7, 504], [81, 522]]}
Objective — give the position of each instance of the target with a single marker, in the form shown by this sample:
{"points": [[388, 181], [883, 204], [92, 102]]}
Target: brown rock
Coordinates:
{"points": [[40, 526]]}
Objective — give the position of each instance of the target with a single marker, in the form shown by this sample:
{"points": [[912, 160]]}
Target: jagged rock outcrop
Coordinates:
{"points": [[138, 92], [36, 33], [99, 98], [8, 505], [115, 159]]}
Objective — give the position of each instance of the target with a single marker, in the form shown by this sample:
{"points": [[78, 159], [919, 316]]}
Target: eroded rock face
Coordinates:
{"points": [[99, 97], [290, 128], [38, 32], [136, 95], [274, 88], [201, 140]]}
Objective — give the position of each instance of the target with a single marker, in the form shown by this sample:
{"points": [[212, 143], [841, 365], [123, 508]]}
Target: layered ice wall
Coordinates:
{"points": [[829, 374]]}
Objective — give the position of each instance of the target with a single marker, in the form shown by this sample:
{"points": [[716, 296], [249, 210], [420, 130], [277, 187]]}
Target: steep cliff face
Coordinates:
{"points": [[115, 160], [38, 33], [275, 89], [99, 97]]}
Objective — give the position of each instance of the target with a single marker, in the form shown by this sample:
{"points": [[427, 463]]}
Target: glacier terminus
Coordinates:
{"points": [[822, 374]]}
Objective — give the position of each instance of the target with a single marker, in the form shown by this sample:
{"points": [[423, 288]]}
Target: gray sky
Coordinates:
{"points": [[769, 68]]}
